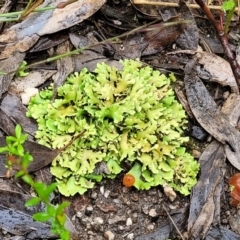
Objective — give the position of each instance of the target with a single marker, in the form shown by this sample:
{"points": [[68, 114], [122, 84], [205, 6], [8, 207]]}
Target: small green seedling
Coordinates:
{"points": [[229, 7], [18, 158], [21, 72]]}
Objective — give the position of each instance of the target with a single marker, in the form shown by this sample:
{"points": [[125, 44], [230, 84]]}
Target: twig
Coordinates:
{"points": [[170, 4], [174, 224]]}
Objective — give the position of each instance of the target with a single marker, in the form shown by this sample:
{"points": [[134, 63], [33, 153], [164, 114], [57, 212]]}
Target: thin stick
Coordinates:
{"points": [[174, 224], [169, 4]]}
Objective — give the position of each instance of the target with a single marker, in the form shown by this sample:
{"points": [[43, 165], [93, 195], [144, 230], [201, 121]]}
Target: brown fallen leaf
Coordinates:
{"points": [[209, 186], [189, 36], [33, 79], [219, 69], [15, 110], [42, 156], [149, 42], [18, 39], [65, 66], [204, 212], [209, 116]]}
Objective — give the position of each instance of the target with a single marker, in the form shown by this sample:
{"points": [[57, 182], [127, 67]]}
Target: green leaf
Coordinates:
{"points": [[32, 202], [50, 189], [228, 5], [3, 149], [40, 188], [41, 216], [51, 210], [11, 139], [28, 179], [60, 209], [18, 131]]}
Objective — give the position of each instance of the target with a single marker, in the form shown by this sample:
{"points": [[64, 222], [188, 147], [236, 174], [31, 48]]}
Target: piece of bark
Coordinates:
{"points": [[18, 223], [202, 208]]}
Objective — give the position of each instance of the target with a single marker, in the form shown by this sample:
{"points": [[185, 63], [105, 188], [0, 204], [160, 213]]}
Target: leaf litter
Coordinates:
{"points": [[202, 213]]}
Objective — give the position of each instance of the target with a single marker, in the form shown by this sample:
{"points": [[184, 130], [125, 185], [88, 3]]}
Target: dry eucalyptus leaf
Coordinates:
{"points": [[13, 107], [212, 164], [8, 65], [42, 156], [47, 22], [22, 36], [190, 37], [209, 186], [65, 66], [219, 70], [209, 116], [33, 79]]}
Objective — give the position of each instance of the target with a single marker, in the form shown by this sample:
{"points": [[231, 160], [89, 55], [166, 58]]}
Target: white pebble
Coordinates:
{"points": [[98, 220], [109, 235], [169, 192], [150, 227], [102, 190], [152, 213], [79, 214], [130, 236], [129, 222], [106, 194], [27, 94]]}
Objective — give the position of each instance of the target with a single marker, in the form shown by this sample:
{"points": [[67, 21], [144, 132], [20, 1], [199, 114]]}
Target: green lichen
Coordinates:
{"points": [[130, 115]]}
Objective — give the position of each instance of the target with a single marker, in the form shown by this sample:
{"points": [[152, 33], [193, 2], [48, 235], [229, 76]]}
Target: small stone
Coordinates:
{"points": [[196, 154], [130, 236], [91, 233], [94, 195], [116, 219], [172, 207], [89, 210], [135, 215], [129, 222], [79, 214], [226, 94], [102, 190], [109, 235], [134, 197], [98, 220], [169, 192], [145, 209], [120, 227], [150, 227], [106, 194], [152, 212], [27, 94]]}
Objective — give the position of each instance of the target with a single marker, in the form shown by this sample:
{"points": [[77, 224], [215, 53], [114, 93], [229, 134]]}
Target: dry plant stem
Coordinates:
{"points": [[224, 41], [29, 9], [110, 40], [174, 224], [170, 4]]}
